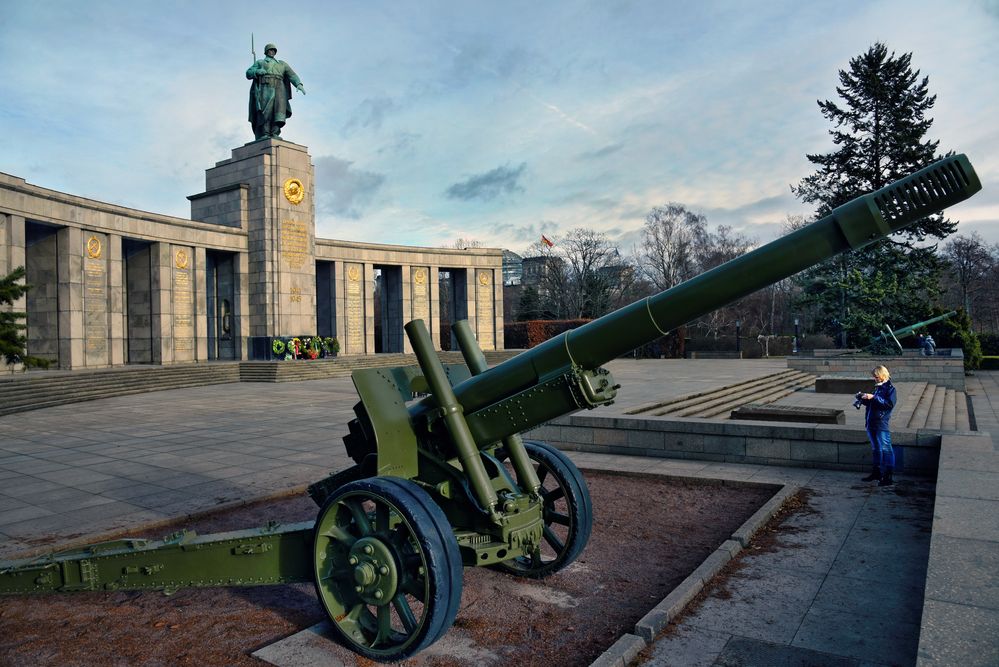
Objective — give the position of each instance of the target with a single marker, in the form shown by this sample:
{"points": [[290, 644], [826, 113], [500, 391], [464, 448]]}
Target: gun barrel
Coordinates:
{"points": [[912, 328], [853, 225]]}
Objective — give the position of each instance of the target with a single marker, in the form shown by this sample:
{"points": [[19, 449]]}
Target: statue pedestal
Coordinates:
{"points": [[270, 182]]}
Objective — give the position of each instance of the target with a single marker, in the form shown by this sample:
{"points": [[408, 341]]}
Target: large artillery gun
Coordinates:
{"points": [[443, 479], [887, 341]]}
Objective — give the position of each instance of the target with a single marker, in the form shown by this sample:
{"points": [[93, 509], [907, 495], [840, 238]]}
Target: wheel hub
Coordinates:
{"points": [[375, 575]]}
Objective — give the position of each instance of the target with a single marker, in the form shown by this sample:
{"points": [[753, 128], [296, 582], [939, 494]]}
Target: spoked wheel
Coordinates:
{"points": [[568, 513], [387, 567]]}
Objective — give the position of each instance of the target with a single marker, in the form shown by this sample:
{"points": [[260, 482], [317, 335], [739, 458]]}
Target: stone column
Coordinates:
{"points": [[72, 345], [471, 314], [116, 301], [340, 303], [200, 305], [433, 280], [161, 286], [241, 307], [368, 283], [498, 308]]}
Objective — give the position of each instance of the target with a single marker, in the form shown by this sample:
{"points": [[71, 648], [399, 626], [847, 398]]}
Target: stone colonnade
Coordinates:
{"points": [[113, 286]]}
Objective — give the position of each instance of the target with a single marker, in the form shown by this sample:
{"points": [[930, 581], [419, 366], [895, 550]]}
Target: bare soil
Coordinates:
{"points": [[649, 534]]}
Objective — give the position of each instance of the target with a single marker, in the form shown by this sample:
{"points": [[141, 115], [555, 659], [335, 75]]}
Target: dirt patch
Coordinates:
{"points": [[649, 534]]}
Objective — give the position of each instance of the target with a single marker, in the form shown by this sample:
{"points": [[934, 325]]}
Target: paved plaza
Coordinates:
{"points": [[847, 588]]}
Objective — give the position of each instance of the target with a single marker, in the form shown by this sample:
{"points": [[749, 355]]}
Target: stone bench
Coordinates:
{"points": [[715, 355], [789, 413], [843, 384]]}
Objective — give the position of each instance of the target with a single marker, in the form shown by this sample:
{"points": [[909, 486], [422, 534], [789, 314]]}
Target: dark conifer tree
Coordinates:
{"points": [[879, 130], [12, 339]]}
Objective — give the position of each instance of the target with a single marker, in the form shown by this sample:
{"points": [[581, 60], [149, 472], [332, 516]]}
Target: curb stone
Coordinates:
{"points": [[660, 616], [746, 531], [621, 653]]}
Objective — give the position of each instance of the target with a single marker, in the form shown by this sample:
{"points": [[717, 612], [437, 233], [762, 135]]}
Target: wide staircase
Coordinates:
{"points": [[935, 408], [719, 403], [298, 371], [43, 389]]}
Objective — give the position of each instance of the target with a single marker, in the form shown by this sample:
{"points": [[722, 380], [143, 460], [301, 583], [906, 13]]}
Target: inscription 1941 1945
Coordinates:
{"points": [[270, 92]]}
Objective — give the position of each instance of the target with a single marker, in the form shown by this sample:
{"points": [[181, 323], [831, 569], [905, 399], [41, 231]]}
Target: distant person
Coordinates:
{"points": [[270, 93], [879, 407], [928, 345]]}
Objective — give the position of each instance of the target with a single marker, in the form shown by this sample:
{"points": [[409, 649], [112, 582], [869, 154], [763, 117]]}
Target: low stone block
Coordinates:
{"points": [[789, 413], [725, 445], [684, 442], [837, 384], [815, 451], [768, 448]]}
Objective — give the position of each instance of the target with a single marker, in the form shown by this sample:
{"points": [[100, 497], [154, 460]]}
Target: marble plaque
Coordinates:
{"points": [[354, 307], [183, 305], [294, 243], [485, 321], [95, 300], [420, 279]]}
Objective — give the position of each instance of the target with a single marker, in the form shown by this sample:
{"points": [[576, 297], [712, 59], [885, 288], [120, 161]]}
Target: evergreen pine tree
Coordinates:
{"points": [[880, 137], [12, 341]]}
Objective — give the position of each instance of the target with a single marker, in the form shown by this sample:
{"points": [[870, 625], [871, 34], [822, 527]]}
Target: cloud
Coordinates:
{"points": [[489, 185], [528, 233], [369, 114], [343, 190], [609, 149], [402, 144]]}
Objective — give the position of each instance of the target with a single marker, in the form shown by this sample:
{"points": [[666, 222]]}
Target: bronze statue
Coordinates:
{"points": [[270, 93]]}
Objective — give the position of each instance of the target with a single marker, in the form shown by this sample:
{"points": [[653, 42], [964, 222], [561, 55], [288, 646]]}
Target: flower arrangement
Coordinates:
{"points": [[306, 347]]}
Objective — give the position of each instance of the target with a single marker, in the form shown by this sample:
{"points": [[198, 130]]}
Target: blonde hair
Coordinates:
{"points": [[881, 373]]}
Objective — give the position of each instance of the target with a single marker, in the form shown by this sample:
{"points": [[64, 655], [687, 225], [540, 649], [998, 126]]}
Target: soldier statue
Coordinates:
{"points": [[270, 93]]}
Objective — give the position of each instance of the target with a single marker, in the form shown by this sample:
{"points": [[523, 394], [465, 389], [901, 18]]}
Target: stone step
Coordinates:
{"points": [[41, 389], [961, 412], [904, 411], [689, 398], [699, 400], [935, 416], [948, 421], [922, 410], [722, 402], [724, 410]]}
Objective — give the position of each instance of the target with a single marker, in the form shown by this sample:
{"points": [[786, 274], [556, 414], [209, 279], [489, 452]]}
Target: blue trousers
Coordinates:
{"points": [[881, 451]]}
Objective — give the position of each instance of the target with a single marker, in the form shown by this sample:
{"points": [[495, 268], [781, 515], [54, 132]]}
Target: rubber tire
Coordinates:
{"points": [[444, 571], [580, 509]]}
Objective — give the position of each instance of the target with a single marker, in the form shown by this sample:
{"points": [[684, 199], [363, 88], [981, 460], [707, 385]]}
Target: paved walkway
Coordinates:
{"points": [[847, 591]]}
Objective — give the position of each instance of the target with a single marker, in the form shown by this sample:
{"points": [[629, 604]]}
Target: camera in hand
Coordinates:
{"points": [[857, 403]]}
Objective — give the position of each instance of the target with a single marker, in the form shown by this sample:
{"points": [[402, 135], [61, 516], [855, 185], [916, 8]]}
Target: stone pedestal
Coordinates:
{"points": [[281, 231]]}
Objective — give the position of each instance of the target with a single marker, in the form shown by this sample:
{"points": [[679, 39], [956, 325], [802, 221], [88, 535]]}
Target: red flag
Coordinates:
{"points": [[544, 239]]}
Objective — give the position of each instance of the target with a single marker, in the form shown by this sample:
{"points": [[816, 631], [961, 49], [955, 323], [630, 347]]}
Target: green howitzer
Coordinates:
{"points": [[443, 479], [887, 340]]}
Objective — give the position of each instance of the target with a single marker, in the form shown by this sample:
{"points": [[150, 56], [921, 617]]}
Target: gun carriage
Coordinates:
{"points": [[443, 479]]}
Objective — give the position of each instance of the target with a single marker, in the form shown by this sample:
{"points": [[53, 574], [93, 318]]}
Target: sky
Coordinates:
{"points": [[429, 121]]}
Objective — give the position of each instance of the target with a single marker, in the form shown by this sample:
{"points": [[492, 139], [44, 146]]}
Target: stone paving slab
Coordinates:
{"points": [[222, 443]]}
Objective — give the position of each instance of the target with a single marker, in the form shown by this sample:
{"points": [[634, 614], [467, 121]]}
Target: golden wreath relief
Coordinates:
{"points": [[484, 278], [294, 191], [181, 260], [94, 247]]}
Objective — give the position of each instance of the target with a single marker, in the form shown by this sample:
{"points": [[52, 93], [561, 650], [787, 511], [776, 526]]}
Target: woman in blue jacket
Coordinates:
{"points": [[879, 407]]}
